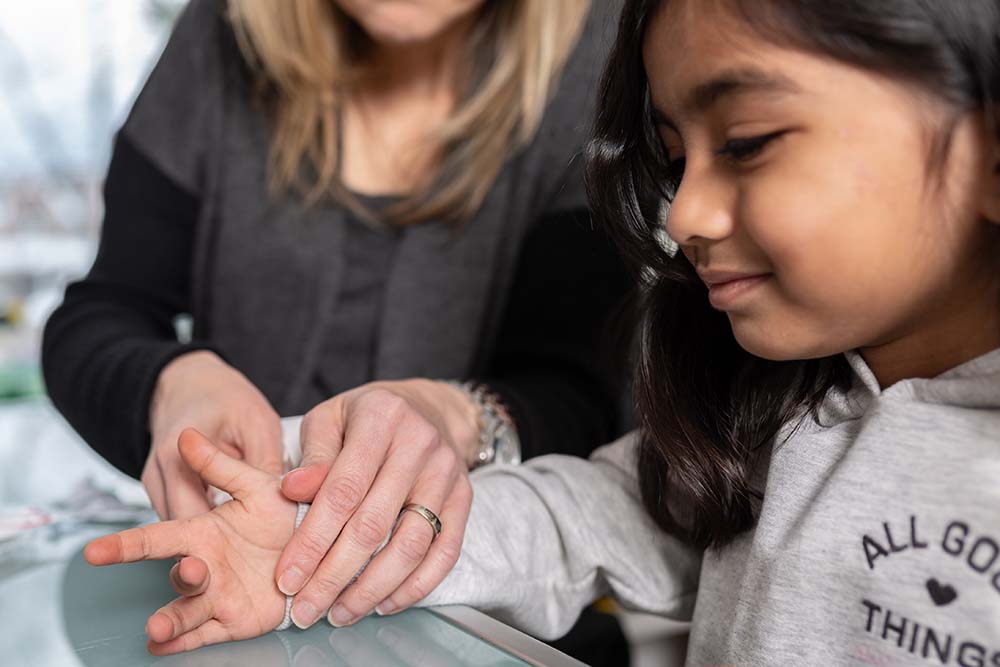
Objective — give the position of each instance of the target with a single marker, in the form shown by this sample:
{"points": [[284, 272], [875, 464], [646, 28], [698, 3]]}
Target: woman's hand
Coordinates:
{"points": [[240, 542], [199, 390], [365, 454]]}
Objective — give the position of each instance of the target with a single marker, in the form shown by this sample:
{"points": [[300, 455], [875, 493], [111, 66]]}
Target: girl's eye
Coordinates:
{"points": [[742, 150]]}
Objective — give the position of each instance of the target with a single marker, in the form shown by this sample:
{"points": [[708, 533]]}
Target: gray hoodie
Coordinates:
{"points": [[878, 540]]}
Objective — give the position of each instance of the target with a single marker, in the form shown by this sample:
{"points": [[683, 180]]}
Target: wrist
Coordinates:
{"points": [[461, 420]]}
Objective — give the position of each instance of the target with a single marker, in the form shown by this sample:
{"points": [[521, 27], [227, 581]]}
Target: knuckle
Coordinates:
{"points": [[368, 530], [426, 435], [145, 548], [176, 618], [432, 440], [361, 599], [448, 552], [418, 588], [448, 458], [317, 416], [193, 639], [165, 453], [312, 544], [385, 402], [344, 496], [324, 588], [463, 492], [412, 545]]}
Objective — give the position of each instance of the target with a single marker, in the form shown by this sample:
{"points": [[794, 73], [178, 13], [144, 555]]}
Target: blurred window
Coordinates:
{"points": [[69, 70]]}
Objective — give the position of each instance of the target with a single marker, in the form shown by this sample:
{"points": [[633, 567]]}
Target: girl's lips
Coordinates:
{"points": [[725, 294]]}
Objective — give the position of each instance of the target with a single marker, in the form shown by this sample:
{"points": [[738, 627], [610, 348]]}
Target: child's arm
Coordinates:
{"points": [[240, 541], [546, 538]]}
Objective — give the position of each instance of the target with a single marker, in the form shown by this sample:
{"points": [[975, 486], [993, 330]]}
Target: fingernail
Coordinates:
{"points": [[304, 614], [291, 581], [340, 616], [385, 607]]}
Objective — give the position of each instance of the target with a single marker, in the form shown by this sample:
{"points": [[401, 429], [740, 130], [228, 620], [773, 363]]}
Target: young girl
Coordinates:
{"points": [[815, 481]]}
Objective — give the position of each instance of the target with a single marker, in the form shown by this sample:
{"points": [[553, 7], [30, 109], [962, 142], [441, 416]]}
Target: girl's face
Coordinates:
{"points": [[806, 203], [400, 22]]}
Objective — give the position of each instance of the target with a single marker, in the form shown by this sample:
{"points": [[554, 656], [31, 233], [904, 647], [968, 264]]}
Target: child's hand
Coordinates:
{"points": [[240, 541]]}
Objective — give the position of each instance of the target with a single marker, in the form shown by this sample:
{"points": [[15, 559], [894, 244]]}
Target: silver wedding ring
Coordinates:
{"points": [[431, 517]]}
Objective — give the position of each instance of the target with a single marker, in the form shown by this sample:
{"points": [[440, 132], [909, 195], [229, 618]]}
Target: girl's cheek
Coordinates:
{"points": [[785, 221], [805, 225]]}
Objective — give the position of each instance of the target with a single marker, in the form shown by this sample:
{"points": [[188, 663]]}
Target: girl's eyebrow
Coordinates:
{"points": [[728, 83]]}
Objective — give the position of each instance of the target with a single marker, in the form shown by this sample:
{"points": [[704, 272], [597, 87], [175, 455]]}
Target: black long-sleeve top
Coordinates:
{"points": [[549, 355]]}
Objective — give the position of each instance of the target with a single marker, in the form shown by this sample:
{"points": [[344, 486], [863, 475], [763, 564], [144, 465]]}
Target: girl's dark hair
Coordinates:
{"points": [[709, 410]]}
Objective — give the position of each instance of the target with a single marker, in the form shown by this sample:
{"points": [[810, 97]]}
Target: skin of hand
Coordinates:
{"points": [[366, 454], [199, 390], [240, 541]]}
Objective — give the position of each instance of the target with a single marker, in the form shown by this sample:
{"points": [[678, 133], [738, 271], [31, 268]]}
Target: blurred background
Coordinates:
{"points": [[69, 71]]}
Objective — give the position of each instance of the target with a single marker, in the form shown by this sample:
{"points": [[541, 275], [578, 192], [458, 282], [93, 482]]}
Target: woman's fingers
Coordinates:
{"points": [[209, 632], [442, 555], [217, 468], [153, 542], [364, 533], [178, 617], [368, 436], [152, 481], [183, 491], [408, 547], [173, 488], [189, 576], [303, 483], [262, 447]]}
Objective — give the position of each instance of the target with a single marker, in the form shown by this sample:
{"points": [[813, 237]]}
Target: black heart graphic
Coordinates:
{"points": [[942, 594]]}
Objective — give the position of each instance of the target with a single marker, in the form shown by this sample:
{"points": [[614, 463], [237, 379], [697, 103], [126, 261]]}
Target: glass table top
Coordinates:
{"points": [[58, 610], [55, 610]]}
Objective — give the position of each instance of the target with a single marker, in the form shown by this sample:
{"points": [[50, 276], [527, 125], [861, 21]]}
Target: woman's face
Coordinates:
{"points": [[400, 22], [806, 203]]}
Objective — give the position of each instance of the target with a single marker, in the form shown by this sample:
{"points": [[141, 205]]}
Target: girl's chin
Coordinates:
{"points": [[777, 343]]}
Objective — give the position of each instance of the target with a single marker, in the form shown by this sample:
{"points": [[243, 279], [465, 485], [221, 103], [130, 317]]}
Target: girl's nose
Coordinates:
{"points": [[702, 210]]}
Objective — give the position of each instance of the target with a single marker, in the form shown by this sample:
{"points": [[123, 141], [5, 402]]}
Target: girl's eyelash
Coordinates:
{"points": [[747, 148], [736, 150]]}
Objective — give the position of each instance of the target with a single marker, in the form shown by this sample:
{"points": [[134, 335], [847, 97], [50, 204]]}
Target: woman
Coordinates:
{"points": [[338, 193]]}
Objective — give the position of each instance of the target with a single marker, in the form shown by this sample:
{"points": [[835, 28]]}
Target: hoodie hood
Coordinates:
{"points": [[974, 384]]}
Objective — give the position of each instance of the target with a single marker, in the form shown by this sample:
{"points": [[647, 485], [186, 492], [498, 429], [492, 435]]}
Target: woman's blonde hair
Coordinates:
{"points": [[308, 55]]}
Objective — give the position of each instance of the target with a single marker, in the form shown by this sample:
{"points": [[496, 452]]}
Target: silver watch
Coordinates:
{"points": [[498, 441]]}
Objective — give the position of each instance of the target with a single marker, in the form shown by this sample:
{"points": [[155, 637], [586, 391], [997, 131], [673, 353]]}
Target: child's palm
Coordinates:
{"points": [[240, 541]]}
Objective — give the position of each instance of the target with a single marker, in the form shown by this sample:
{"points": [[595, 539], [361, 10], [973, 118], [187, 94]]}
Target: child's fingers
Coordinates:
{"points": [[210, 632], [189, 576], [180, 616], [183, 492], [215, 466], [153, 542]]}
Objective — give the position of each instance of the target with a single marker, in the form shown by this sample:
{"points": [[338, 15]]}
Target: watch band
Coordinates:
{"points": [[498, 440]]}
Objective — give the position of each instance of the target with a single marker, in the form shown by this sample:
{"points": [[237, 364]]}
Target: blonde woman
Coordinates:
{"points": [[356, 200]]}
